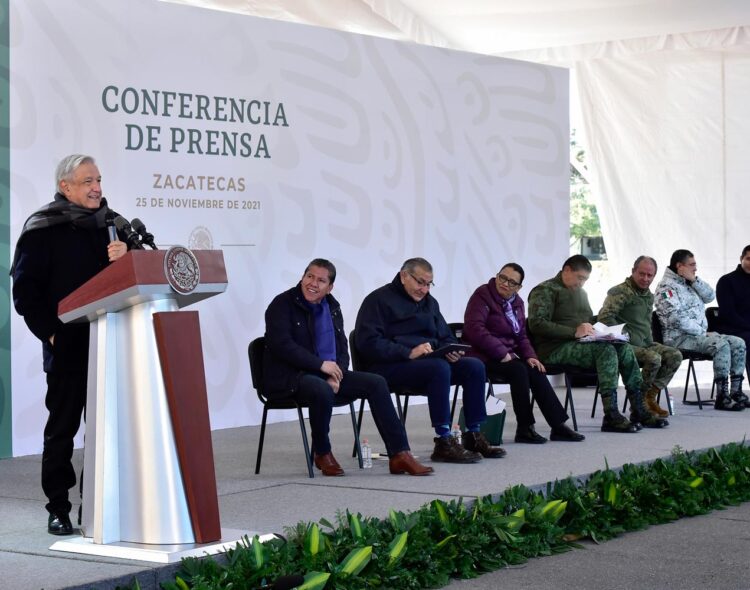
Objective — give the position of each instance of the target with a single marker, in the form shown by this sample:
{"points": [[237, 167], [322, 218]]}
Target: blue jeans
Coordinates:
{"points": [[315, 393], [433, 378]]}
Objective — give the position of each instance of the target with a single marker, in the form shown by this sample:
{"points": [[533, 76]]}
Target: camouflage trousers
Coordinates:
{"points": [[658, 364], [728, 352], [608, 360]]}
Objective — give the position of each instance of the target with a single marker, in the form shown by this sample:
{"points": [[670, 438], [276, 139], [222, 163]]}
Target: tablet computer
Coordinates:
{"points": [[443, 350]]}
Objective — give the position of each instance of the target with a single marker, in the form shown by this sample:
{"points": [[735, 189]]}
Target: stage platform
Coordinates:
{"points": [[282, 494]]}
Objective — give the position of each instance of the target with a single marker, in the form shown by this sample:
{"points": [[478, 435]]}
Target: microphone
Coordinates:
{"points": [[131, 237], [109, 221], [146, 237], [285, 583]]}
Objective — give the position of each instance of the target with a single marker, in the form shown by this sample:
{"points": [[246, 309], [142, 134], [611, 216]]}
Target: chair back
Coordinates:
{"points": [[255, 352], [712, 317], [458, 330], [656, 332], [358, 363]]}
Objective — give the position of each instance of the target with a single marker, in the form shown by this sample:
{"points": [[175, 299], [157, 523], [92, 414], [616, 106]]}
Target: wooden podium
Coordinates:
{"points": [[148, 459]]}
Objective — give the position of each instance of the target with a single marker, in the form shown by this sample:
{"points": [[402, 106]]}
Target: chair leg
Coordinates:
{"points": [[357, 447], [625, 404], [453, 405], [359, 429], [569, 401], [668, 398], [260, 442], [593, 406], [399, 409], [308, 454], [406, 408], [695, 384]]}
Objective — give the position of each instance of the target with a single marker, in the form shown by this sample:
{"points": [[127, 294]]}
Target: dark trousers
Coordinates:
{"points": [[434, 377], [746, 337], [522, 378], [66, 399], [315, 393]]}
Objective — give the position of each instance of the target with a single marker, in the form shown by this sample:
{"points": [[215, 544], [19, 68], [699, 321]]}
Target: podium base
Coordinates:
{"points": [[155, 553]]}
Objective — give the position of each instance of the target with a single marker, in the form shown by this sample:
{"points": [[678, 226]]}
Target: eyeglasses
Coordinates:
{"points": [[421, 282], [503, 280]]}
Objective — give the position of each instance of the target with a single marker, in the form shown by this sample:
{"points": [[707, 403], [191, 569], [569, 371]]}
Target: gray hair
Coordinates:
{"points": [[641, 259], [412, 264], [68, 165]]}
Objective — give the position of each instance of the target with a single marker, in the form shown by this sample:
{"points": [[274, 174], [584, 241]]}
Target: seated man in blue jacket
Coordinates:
{"points": [[307, 356], [401, 322]]}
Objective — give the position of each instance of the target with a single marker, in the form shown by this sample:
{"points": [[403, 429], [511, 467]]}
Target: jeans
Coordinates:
{"points": [[433, 378]]}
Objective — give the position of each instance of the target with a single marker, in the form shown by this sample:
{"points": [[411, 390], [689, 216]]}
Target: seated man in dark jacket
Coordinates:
{"points": [[307, 356], [401, 322], [733, 297]]}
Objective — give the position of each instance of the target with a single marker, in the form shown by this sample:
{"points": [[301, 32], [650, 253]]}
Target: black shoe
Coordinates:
{"points": [[725, 402], [449, 450], [530, 436], [616, 422], [648, 420], [59, 524], [565, 433], [476, 441]]}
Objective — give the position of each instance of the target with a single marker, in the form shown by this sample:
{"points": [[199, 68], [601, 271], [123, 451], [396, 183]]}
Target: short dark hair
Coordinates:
{"points": [[578, 262], [411, 264], [517, 267], [323, 263], [641, 259], [679, 256], [745, 250]]}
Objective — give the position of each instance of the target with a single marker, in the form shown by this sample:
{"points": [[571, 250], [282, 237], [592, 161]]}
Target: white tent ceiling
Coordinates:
{"points": [[498, 27]]}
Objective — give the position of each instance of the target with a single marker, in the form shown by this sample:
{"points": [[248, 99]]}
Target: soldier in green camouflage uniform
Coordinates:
{"points": [[559, 314], [631, 303]]}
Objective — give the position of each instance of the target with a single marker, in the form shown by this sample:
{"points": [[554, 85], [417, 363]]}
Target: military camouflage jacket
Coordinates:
{"points": [[682, 307], [554, 314], [628, 304]]}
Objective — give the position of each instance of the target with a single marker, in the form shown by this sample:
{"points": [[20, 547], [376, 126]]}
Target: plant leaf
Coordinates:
{"points": [[397, 547], [314, 581], [356, 560]]}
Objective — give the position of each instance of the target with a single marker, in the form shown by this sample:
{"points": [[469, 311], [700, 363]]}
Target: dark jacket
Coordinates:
{"points": [[488, 330], [290, 342], [51, 263], [390, 323], [733, 296]]}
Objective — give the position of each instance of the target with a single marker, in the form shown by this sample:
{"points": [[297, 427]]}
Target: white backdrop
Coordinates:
{"points": [[384, 151]]}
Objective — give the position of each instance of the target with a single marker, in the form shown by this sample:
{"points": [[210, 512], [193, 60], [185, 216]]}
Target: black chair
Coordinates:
{"points": [[712, 315], [255, 352], [687, 355]]}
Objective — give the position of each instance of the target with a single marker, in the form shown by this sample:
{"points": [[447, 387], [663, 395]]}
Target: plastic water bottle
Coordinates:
{"points": [[456, 433], [366, 454]]}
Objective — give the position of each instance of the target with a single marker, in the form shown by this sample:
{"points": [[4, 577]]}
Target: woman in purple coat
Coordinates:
{"points": [[495, 326]]}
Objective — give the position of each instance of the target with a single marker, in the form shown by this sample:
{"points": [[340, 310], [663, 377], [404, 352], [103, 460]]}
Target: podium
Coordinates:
{"points": [[149, 481]]}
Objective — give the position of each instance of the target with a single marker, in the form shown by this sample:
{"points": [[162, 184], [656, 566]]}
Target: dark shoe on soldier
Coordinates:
{"points": [[476, 441], [530, 436], [565, 433], [741, 399], [648, 420], [59, 524], [725, 402], [449, 450], [404, 462], [617, 423]]}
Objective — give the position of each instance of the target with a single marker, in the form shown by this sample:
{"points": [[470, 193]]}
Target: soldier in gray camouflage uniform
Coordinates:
{"points": [[680, 304], [631, 303], [560, 314]]}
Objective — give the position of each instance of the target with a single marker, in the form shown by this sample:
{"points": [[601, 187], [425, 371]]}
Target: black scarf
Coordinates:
{"points": [[62, 211]]}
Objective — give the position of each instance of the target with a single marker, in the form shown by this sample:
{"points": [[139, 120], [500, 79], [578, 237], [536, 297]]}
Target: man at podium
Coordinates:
{"points": [[62, 245]]}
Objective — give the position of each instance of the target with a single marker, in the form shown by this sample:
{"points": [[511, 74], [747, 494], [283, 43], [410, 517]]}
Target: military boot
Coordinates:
{"points": [[639, 414], [723, 400], [735, 391], [652, 405], [613, 421]]}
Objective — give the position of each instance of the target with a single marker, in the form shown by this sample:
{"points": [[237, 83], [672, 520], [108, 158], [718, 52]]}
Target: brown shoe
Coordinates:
{"points": [[404, 462], [449, 450], [475, 441], [651, 404], [328, 465]]}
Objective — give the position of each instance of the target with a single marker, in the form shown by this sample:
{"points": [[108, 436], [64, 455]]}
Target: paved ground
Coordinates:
{"points": [[701, 552]]}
